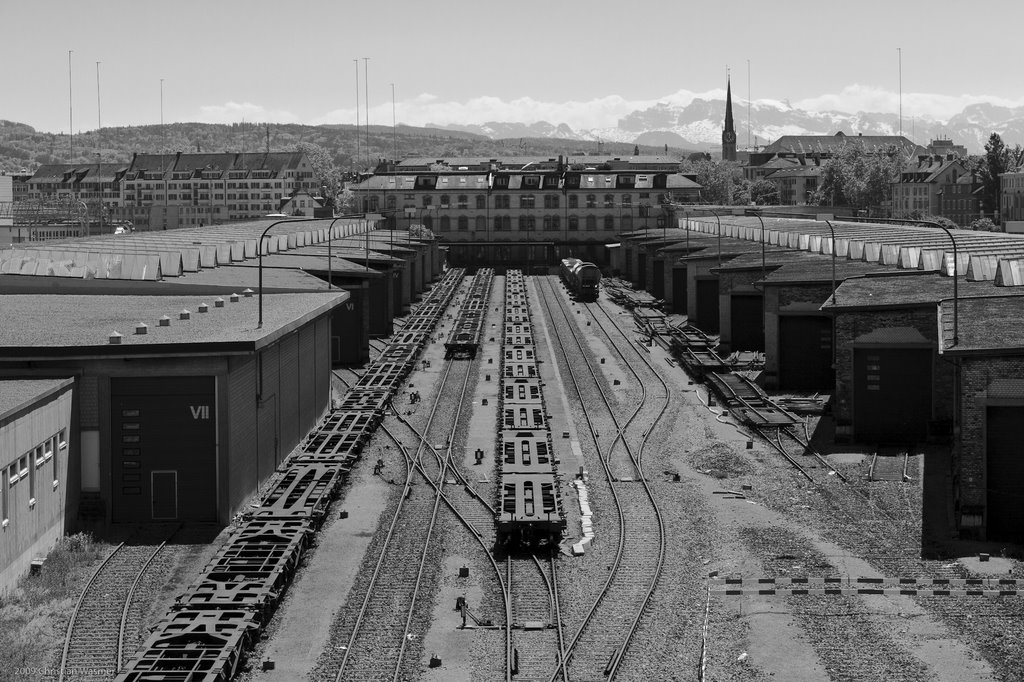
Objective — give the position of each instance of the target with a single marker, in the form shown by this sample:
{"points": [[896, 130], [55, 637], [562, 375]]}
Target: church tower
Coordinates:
{"points": [[729, 134]]}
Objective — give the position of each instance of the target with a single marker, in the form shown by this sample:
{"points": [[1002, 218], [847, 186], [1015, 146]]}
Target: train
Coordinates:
{"points": [[529, 515], [582, 278], [209, 630]]}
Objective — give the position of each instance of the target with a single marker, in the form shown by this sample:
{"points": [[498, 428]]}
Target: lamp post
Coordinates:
{"points": [[833, 232], [259, 251], [956, 267]]}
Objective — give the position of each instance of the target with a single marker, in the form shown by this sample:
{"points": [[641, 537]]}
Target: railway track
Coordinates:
{"points": [[603, 637], [94, 644], [373, 641], [537, 633]]}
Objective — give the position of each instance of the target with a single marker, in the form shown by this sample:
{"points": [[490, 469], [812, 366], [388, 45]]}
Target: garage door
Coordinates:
{"points": [[1005, 471], [805, 353], [679, 290], [746, 317], [892, 395], [163, 449], [707, 305]]}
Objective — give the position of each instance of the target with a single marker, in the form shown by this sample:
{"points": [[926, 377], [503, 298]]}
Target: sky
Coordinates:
{"points": [[464, 61]]}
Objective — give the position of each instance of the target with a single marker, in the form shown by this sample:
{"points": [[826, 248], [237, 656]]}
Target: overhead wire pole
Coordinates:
{"points": [[899, 52], [366, 86], [99, 151], [359, 130], [71, 115]]}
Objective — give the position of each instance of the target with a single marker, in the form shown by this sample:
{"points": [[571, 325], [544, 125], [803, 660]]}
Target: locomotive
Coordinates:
{"points": [[582, 278]]}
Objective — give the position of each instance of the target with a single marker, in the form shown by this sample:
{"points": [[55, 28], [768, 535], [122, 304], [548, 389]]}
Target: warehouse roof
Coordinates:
{"points": [[75, 326], [906, 288], [18, 394], [983, 325]]}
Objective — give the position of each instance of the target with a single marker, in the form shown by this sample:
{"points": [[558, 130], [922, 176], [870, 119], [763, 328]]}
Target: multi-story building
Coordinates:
{"points": [[797, 184], [164, 191], [94, 184], [921, 186], [1011, 200], [961, 200], [576, 204]]}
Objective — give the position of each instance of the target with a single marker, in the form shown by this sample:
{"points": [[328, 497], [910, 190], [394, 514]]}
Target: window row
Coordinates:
{"points": [[530, 201], [27, 468], [549, 223]]}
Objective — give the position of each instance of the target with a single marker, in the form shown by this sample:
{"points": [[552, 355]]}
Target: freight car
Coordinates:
{"points": [[583, 279], [529, 513]]}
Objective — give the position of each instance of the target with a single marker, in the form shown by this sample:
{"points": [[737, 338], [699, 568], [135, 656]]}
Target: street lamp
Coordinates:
{"points": [[259, 250], [956, 267]]}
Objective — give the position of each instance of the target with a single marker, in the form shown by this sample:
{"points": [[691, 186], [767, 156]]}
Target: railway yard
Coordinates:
{"points": [[523, 486]]}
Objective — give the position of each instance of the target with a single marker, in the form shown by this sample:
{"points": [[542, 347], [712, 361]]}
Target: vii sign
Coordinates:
{"points": [[200, 411]]}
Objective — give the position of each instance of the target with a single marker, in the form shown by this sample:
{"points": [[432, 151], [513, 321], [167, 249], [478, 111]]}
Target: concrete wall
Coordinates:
{"points": [[40, 437]]}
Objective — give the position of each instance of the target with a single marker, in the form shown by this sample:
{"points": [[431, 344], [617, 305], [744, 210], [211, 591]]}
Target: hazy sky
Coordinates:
{"points": [[583, 63]]}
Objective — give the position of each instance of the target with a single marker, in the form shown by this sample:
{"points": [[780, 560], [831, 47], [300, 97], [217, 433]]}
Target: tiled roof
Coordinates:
{"points": [[797, 172], [905, 288], [17, 394], [809, 144]]}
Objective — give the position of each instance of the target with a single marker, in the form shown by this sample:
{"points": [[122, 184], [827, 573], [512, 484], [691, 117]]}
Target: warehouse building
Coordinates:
{"points": [[36, 424], [185, 405]]}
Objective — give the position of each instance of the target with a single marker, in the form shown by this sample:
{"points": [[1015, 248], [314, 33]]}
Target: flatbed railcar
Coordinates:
{"points": [[209, 630], [582, 278], [529, 512]]}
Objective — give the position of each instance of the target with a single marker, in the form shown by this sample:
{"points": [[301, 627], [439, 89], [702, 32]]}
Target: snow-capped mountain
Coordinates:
{"points": [[698, 125]]}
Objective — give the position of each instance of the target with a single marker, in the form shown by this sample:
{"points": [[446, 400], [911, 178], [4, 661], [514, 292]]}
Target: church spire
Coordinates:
{"points": [[729, 133]]}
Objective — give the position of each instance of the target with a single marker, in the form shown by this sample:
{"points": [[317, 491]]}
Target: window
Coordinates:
{"points": [[527, 201], [627, 200], [550, 201], [591, 223], [427, 201], [498, 223], [574, 201], [574, 223], [463, 201], [609, 201], [502, 201], [532, 181], [609, 223], [481, 201], [445, 201], [446, 224], [463, 225], [552, 223], [481, 224], [527, 223], [591, 201]]}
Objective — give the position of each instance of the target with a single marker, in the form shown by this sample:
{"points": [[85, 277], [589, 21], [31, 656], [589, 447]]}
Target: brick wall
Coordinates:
{"points": [[850, 325], [969, 476]]}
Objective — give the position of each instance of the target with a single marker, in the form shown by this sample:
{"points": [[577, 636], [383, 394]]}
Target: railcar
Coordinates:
{"points": [[582, 278]]}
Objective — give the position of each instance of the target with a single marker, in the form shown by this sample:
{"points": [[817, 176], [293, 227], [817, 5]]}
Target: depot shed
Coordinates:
{"points": [[987, 347], [183, 409]]}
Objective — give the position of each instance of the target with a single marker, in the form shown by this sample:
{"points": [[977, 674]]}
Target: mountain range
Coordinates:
{"points": [[698, 125]]}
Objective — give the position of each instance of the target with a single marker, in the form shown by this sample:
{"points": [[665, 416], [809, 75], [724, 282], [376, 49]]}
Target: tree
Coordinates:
{"points": [[984, 225], [764, 193], [721, 182], [998, 159], [326, 174], [857, 178], [636, 150]]}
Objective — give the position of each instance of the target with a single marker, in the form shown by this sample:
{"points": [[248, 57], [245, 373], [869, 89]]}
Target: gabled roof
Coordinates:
{"points": [[809, 144]]}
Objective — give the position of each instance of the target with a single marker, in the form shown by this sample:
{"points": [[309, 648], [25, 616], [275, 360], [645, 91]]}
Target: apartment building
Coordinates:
{"points": [[921, 186]]}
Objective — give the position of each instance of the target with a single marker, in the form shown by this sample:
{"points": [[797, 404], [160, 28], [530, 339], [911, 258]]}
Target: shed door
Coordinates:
{"points": [[679, 290], [707, 305], [892, 394], [1005, 472], [805, 353], [658, 283], [747, 319]]}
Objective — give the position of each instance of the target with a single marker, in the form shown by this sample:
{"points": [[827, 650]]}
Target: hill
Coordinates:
{"points": [[23, 147]]}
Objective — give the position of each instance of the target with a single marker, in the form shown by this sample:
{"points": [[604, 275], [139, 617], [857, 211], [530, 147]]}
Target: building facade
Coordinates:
{"points": [[961, 200], [1011, 196], [921, 186]]}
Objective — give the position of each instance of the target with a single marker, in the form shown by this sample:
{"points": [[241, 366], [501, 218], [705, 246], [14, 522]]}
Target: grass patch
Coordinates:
{"points": [[34, 615]]}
